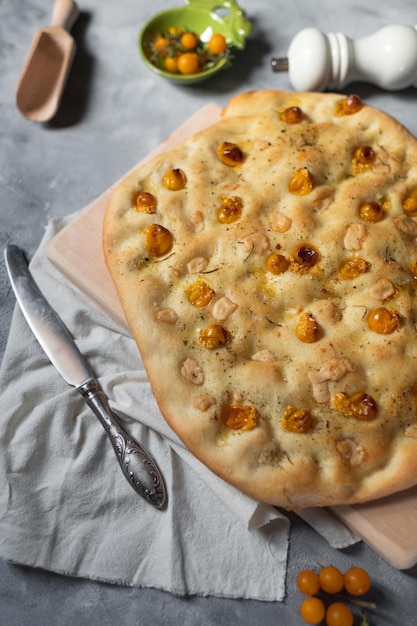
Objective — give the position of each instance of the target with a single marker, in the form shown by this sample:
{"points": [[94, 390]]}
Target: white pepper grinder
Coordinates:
{"points": [[316, 61]]}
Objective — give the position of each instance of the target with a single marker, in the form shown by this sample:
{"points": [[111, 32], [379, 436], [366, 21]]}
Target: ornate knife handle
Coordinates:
{"points": [[137, 464]]}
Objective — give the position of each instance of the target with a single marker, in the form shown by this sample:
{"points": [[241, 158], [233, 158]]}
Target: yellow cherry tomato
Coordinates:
{"points": [[160, 42], [217, 44], [312, 610], [175, 30], [331, 579], [171, 64], [339, 614], [308, 582], [357, 581], [174, 179], [188, 63], [189, 41]]}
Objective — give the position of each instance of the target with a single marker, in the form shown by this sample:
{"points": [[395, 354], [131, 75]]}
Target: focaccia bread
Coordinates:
{"points": [[267, 268]]}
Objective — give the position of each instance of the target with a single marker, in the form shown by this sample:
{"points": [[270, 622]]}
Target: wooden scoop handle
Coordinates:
{"points": [[64, 14]]}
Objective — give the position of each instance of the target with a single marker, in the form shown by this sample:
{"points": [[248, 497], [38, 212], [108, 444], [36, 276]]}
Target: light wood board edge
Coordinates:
{"points": [[388, 526]]}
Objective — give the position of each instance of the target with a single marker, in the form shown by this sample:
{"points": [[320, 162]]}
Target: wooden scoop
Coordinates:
{"points": [[47, 65]]}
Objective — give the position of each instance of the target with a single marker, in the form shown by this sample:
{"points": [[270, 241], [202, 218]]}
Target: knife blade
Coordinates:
{"points": [[138, 466]]}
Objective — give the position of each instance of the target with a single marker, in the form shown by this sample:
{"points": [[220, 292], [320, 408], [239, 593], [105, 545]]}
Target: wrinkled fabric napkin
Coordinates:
{"points": [[65, 505]]}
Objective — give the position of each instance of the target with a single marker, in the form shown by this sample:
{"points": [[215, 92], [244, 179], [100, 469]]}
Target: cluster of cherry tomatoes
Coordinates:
{"points": [[330, 580], [181, 51]]}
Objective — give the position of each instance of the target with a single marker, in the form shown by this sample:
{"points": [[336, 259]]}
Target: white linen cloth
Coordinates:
{"points": [[65, 505]]}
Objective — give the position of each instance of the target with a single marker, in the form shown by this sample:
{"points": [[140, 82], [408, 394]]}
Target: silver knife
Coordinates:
{"points": [[137, 464]]}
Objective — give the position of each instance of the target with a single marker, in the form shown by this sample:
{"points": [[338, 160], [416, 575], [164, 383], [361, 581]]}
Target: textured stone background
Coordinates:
{"points": [[114, 111]]}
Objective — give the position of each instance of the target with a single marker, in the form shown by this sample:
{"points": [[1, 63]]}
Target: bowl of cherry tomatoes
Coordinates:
{"points": [[191, 43]]}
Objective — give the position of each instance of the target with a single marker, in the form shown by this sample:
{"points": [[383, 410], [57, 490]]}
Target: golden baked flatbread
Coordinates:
{"points": [[267, 268]]}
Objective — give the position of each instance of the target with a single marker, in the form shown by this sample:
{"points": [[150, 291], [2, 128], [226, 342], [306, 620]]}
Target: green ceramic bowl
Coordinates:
{"points": [[204, 18]]}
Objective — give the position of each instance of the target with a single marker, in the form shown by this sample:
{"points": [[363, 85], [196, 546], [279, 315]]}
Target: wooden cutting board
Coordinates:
{"points": [[389, 526]]}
